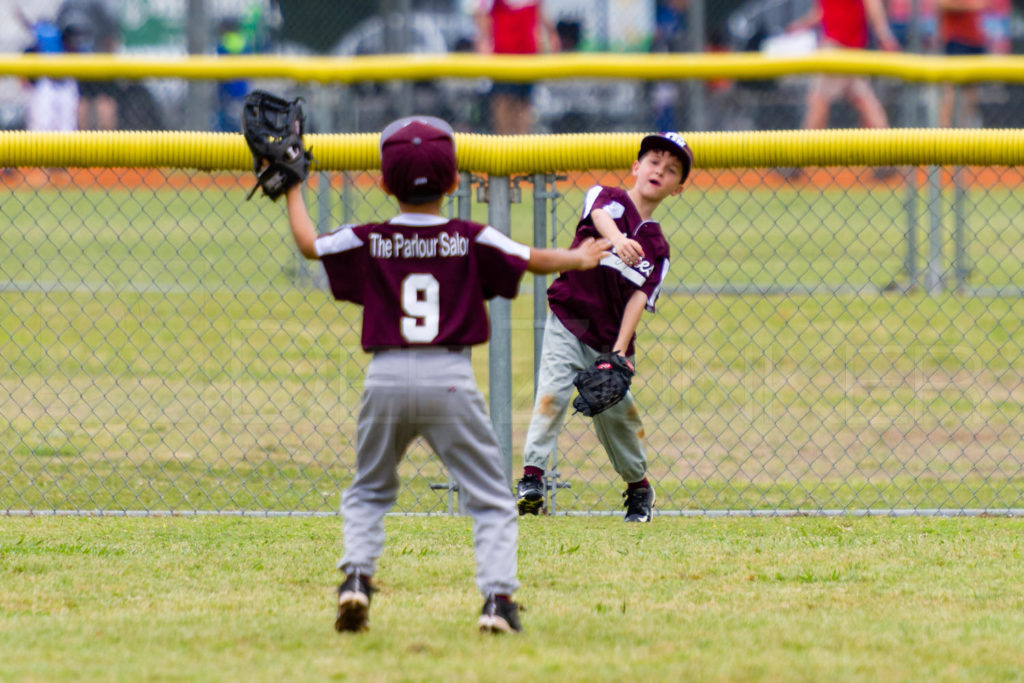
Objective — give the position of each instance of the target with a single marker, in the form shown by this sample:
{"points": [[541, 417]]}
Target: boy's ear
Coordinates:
{"points": [[383, 185], [455, 184]]}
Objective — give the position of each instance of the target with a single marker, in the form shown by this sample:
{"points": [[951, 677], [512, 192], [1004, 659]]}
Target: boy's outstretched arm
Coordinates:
{"points": [[584, 257], [628, 250], [302, 227], [630, 319]]}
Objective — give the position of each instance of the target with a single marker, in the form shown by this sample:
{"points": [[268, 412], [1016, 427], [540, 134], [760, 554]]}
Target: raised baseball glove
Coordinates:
{"points": [[273, 127], [602, 385]]}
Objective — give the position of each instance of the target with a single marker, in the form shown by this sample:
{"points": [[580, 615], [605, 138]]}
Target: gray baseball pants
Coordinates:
{"points": [[619, 428], [430, 393]]}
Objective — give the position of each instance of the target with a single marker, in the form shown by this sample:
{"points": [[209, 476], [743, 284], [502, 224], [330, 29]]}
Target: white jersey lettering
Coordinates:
{"points": [[416, 247], [380, 247], [453, 245]]}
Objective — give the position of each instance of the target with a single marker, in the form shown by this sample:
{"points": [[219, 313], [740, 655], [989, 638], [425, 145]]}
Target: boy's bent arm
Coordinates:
{"points": [[302, 226], [584, 257], [630, 319], [627, 249]]}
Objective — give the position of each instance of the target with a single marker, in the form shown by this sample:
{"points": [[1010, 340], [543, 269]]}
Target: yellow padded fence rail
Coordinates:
{"points": [[508, 155], [744, 65]]}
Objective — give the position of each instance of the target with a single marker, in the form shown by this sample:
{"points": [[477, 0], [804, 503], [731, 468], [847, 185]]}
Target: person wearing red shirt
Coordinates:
{"points": [[513, 27], [961, 32], [846, 24]]}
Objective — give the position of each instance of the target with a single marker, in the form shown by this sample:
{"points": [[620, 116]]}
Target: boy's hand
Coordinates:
{"points": [[590, 252], [629, 251]]}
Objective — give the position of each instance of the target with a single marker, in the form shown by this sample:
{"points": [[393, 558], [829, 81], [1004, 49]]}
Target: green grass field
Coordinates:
{"points": [[166, 350], [775, 599]]}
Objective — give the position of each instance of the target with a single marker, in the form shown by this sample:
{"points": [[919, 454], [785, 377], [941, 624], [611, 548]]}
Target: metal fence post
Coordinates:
{"points": [[499, 216], [541, 216], [459, 206], [910, 115], [322, 110], [462, 208], [200, 92], [933, 274], [961, 119], [540, 309], [540, 282]]}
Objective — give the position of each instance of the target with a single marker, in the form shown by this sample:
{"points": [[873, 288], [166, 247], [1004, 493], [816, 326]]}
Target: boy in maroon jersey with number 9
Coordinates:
{"points": [[423, 281], [597, 312]]}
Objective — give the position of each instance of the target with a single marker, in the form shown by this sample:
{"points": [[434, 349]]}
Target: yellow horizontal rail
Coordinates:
{"points": [[910, 67], [509, 155]]}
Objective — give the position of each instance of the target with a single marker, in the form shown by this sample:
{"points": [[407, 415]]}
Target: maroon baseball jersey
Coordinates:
{"points": [[422, 279], [591, 303]]}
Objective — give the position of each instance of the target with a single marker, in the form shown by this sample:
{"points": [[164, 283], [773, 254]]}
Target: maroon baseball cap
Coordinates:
{"points": [[671, 142], [417, 158]]}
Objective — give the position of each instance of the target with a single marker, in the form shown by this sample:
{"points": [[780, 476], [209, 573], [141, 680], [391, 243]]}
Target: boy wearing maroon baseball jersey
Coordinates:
{"points": [[423, 281], [598, 312]]}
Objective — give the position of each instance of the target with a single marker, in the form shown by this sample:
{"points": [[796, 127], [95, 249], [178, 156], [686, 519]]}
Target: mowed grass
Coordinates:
{"points": [[705, 599], [169, 350]]}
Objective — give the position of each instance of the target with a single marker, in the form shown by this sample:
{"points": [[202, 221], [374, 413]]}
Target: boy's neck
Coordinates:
{"points": [[432, 208], [643, 206]]}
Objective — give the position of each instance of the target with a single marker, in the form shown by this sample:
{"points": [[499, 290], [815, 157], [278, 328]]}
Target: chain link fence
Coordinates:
{"points": [[833, 339]]}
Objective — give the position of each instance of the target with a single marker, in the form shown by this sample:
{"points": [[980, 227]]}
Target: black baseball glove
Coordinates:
{"points": [[602, 385], [273, 127]]}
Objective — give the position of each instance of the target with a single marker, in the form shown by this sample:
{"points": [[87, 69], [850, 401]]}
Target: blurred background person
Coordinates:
{"points": [[846, 24], [670, 35], [998, 26], [671, 18], [52, 103], [89, 26], [230, 94], [961, 32], [906, 27], [518, 27]]}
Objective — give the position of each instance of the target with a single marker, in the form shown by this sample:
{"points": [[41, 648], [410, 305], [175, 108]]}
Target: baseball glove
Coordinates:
{"points": [[602, 385], [273, 127]]}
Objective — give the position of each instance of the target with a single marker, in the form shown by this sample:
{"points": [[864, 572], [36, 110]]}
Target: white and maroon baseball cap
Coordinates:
{"points": [[417, 158], [671, 142]]}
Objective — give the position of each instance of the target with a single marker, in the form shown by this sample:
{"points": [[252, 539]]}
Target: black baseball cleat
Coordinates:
{"points": [[530, 495], [639, 504], [499, 615], [354, 595]]}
